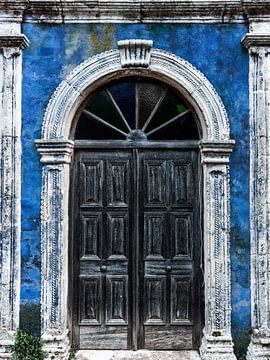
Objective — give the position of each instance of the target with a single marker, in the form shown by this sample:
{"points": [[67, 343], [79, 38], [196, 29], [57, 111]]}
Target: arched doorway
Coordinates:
{"points": [[135, 200], [135, 58]]}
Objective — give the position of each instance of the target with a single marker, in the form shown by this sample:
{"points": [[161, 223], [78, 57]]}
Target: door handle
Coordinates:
{"points": [[168, 268], [103, 268]]}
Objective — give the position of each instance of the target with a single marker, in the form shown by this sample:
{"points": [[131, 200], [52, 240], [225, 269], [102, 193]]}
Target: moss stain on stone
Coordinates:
{"points": [[101, 38], [30, 318], [241, 342]]}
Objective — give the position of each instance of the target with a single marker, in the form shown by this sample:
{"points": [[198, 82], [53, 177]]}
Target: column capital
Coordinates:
{"points": [[216, 152], [55, 151], [256, 40], [14, 41]]}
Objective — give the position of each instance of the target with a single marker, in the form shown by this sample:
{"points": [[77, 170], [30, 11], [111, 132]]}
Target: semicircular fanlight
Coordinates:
{"points": [[136, 109]]}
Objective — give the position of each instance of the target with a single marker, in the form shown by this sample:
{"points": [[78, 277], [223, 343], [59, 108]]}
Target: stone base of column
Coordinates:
{"points": [[56, 344], [217, 348], [6, 342], [259, 347]]}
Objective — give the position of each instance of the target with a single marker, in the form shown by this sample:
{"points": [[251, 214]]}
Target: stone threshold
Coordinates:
{"points": [[136, 355]]}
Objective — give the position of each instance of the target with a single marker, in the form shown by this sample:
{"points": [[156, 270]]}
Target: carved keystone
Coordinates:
{"points": [[135, 52]]}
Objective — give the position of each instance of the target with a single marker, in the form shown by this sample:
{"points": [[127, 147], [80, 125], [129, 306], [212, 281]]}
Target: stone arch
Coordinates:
{"points": [[56, 148], [172, 69]]}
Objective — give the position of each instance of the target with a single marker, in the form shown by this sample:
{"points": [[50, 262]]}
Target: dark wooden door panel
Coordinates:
{"points": [[169, 200], [137, 232], [104, 235]]}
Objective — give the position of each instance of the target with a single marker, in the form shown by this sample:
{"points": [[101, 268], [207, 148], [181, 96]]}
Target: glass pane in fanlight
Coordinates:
{"points": [[124, 95], [148, 96], [171, 106], [90, 129], [184, 128], [102, 106]]}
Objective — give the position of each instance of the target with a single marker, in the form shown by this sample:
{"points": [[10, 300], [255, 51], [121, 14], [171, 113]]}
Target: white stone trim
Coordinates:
{"points": [[56, 151], [10, 187], [259, 85]]}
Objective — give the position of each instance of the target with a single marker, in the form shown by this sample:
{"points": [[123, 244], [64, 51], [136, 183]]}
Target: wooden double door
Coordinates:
{"points": [[136, 249]]}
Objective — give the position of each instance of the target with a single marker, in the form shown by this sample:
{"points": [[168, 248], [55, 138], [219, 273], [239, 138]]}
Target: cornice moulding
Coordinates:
{"points": [[125, 11], [257, 9], [137, 11]]}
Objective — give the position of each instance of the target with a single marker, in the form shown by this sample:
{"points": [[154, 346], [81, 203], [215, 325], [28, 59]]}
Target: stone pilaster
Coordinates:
{"points": [[11, 46], [56, 158], [258, 44], [217, 341]]}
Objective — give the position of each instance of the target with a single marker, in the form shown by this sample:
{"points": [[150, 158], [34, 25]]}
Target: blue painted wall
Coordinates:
{"points": [[214, 49]]}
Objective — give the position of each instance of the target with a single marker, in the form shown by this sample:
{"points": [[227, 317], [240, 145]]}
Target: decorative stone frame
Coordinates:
{"points": [[56, 149]]}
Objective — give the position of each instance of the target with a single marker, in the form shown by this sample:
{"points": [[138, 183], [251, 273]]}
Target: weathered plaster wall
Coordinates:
{"points": [[214, 49]]}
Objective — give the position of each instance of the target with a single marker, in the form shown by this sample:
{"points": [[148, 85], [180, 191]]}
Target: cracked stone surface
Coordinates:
{"points": [[137, 355]]}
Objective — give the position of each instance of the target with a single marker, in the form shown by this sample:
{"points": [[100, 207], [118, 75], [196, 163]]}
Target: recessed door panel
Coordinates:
{"points": [[181, 178], [181, 235], [117, 183], [116, 299], [91, 235], [155, 173], [91, 182], [91, 301], [155, 300], [117, 235], [181, 304], [154, 235]]}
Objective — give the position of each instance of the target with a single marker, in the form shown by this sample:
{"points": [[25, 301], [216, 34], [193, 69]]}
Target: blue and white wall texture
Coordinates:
{"points": [[215, 50]]}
